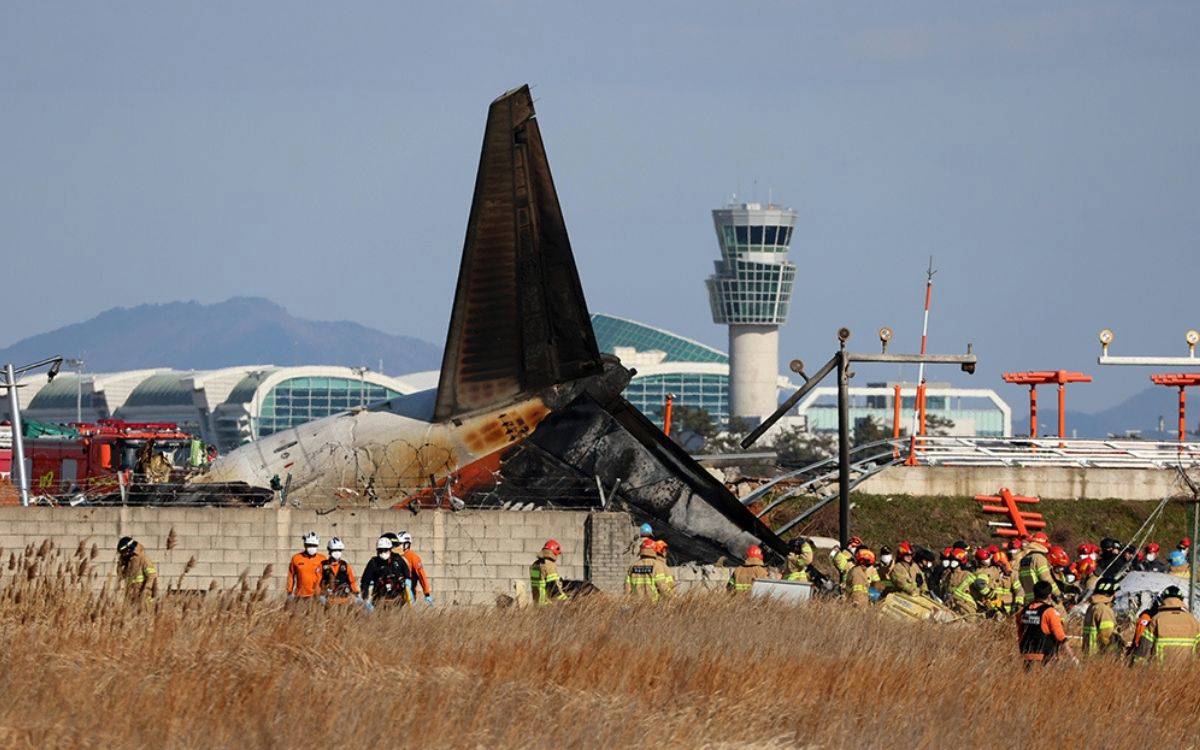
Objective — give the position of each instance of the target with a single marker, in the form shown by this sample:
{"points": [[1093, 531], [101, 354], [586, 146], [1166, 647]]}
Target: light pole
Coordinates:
{"points": [[362, 384], [14, 405], [1192, 338], [841, 361], [78, 365]]}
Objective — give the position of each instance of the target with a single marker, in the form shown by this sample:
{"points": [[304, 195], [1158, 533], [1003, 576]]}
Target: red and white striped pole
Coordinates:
{"points": [[919, 411]]}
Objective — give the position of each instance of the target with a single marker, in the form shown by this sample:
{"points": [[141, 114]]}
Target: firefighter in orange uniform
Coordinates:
{"points": [[415, 569], [304, 571], [1040, 633], [337, 579]]}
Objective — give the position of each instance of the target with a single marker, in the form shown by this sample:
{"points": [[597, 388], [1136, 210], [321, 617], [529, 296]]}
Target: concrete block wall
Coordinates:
{"points": [[471, 556]]}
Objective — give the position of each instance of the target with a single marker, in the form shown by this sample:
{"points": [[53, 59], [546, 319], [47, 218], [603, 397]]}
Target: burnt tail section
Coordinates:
{"points": [[519, 322]]}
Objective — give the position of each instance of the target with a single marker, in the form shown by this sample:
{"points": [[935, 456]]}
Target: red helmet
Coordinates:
{"points": [[1057, 556], [904, 548], [854, 541], [1152, 548], [1085, 567], [947, 553], [1000, 558], [982, 554], [993, 549], [1185, 543], [552, 546], [1084, 548], [648, 543], [960, 554], [865, 557], [660, 546], [1014, 544], [1040, 538], [754, 551]]}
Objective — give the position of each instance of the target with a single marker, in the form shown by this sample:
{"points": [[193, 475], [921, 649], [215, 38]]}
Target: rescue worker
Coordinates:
{"points": [[645, 531], [800, 556], [337, 579], [1185, 546], [386, 578], [1015, 553], [1173, 634], [928, 568], [544, 580], [648, 578], [860, 577], [660, 549], [1100, 636], [883, 569], [958, 585], [1040, 633], [1150, 562], [1035, 567], [987, 600], [304, 571], [1009, 589], [987, 570], [1086, 576], [136, 571], [1179, 564], [744, 576], [1060, 573], [906, 576], [843, 559], [1109, 563], [416, 569]]}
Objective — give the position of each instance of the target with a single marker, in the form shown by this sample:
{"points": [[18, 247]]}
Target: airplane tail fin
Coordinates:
{"points": [[519, 321]]}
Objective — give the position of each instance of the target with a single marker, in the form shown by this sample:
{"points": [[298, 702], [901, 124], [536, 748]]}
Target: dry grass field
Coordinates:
{"points": [[233, 669]]}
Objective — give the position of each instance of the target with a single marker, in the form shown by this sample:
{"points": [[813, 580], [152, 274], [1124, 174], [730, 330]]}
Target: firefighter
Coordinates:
{"points": [[987, 599], [744, 576], [304, 571], [1179, 564], [843, 559], [1139, 629], [1100, 636], [660, 549], [1150, 562], [544, 580], [337, 579], [386, 579], [958, 595], [1061, 574], [136, 571], [1172, 635], [905, 575], [987, 570], [648, 578], [1015, 553], [800, 556], [1085, 574], [1040, 634], [416, 568], [1009, 588], [860, 577], [1035, 567]]}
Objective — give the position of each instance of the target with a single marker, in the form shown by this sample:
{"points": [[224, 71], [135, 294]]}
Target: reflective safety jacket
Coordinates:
{"points": [[1172, 636], [337, 579], [648, 578], [544, 581], [416, 571], [1039, 632], [958, 592], [1100, 628], [1034, 567], [139, 574], [744, 576], [858, 584], [795, 568], [304, 575], [906, 578], [842, 562]]}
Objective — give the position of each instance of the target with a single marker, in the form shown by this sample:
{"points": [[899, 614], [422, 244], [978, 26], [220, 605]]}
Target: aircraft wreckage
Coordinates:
{"points": [[526, 409]]}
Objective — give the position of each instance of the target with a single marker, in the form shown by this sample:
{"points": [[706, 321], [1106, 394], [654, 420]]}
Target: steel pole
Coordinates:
{"points": [[1192, 555], [18, 438], [843, 448]]}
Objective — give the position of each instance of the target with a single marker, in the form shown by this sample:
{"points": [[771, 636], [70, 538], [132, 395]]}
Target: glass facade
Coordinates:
{"points": [[701, 391], [298, 400], [753, 281], [612, 332]]}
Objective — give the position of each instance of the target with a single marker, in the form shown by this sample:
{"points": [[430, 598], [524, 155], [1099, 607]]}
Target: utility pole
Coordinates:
{"points": [[14, 404], [841, 361]]}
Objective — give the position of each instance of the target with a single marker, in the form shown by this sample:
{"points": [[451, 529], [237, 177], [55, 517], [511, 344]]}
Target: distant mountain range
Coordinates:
{"points": [[1140, 412], [238, 331]]}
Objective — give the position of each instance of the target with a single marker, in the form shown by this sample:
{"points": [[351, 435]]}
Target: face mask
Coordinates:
{"points": [[945, 563], [1070, 578], [385, 553], [886, 559], [954, 563], [336, 554], [1151, 557], [310, 551]]}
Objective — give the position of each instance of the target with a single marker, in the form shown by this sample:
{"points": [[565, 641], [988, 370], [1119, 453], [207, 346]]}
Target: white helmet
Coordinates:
{"points": [[383, 543], [311, 539], [336, 544], [405, 537]]}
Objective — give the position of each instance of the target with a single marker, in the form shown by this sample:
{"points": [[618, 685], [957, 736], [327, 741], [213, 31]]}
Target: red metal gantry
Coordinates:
{"points": [[1180, 380], [1047, 377]]}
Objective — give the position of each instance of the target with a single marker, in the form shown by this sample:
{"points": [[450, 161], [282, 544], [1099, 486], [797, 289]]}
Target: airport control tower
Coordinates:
{"points": [[750, 292]]}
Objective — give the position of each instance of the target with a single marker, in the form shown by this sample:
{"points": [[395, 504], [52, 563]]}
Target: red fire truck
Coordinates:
{"points": [[99, 459]]}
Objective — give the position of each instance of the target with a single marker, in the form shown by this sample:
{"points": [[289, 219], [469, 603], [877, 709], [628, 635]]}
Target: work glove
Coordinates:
{"points": [[429, 599], [368, 607]]}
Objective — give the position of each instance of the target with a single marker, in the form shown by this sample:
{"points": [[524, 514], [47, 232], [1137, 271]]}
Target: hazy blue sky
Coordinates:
{"points": [[322, 156]]}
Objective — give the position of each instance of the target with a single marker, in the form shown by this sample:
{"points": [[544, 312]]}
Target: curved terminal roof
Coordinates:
{"points": [[613, 332]]}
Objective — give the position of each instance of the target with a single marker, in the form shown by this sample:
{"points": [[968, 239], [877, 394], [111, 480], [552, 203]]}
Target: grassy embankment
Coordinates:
{"points": [[237, 669], [935, 522]]}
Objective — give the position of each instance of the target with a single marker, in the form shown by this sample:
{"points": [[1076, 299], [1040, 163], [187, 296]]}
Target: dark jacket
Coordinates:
{"points": [[385, 579]]}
